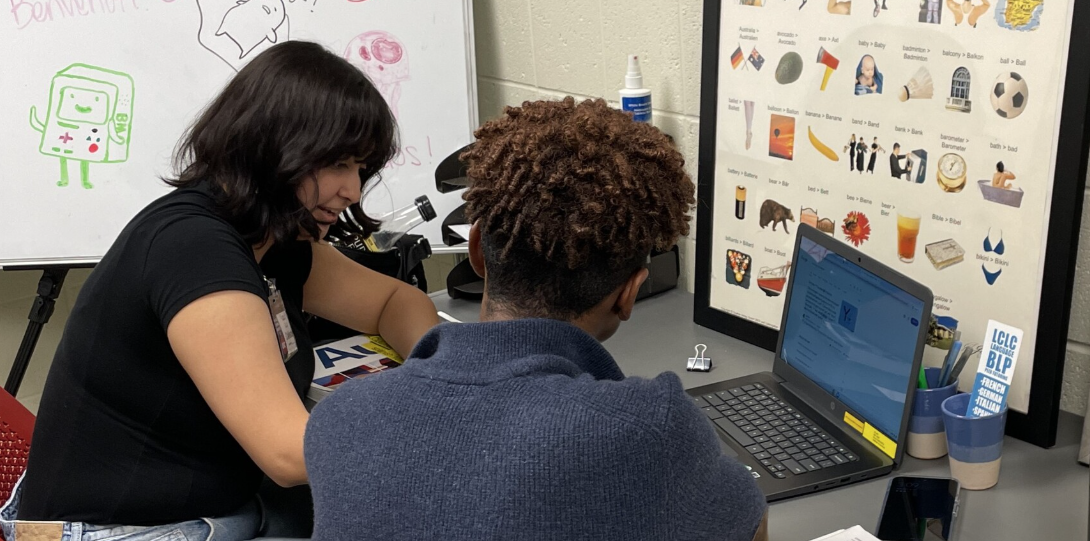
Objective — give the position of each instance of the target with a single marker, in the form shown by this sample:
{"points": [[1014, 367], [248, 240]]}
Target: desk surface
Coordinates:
{"points": [[1042, 494]]}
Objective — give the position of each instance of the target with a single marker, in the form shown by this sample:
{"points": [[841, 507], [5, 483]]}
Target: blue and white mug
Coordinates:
{"points": [[926, 432], [975, 443]]}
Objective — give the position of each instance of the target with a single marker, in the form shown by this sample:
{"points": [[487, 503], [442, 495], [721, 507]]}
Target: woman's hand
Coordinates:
{"points": [[227, 345], [359, 298]]}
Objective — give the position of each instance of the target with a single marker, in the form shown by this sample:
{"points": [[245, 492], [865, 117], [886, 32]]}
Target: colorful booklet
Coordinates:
{"points": [[352, 358]]}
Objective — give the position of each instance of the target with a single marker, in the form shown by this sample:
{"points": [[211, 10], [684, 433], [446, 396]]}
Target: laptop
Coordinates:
{"points": [[835, 408]]}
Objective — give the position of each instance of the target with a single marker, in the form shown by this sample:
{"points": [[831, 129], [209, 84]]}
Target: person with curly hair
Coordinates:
{"points": [[523, 426]]}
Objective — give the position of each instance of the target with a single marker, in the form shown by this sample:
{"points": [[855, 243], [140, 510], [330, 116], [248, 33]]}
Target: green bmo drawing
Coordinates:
{"points": [[89, 119]]}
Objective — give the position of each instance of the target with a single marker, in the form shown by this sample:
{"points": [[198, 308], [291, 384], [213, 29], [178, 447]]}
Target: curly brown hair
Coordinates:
{"points": [[570, 200]]}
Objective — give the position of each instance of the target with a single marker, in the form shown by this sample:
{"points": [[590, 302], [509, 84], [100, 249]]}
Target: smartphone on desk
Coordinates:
{"points": [[919, 509]]}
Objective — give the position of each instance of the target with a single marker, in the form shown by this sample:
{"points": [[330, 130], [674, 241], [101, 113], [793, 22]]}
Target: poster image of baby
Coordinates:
{"points": [[868, 80]]}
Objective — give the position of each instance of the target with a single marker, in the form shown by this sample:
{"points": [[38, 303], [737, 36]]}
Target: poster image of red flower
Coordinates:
{"points": [[856, 228]]}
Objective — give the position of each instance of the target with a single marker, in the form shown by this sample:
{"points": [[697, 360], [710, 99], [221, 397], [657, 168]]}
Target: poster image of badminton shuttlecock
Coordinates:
{"points": [[919, 87]]}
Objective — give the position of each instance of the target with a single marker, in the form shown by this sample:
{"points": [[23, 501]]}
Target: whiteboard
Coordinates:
{"points": [[96, 94]]}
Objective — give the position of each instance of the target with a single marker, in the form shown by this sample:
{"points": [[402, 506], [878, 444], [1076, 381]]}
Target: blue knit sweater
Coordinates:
{"points": [[520, 430]]}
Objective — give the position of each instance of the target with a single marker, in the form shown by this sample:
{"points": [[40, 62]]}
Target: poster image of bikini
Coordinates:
{"points": [[238, 30], [381, 56]]}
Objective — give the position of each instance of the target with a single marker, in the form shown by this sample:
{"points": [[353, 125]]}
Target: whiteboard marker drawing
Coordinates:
{"points": [[381, 57], [89, 119], [252, 21], [237, 30]]}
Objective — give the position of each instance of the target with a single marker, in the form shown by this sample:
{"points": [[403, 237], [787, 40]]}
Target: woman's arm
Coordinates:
{"points": [[227, 345], [359, 298]]}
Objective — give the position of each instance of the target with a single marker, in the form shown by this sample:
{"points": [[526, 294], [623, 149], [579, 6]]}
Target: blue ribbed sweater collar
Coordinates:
{"points": [[497, 350]]}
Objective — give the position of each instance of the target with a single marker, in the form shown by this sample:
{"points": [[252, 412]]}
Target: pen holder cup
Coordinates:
{"points": [[926, 433], [975, 443]]}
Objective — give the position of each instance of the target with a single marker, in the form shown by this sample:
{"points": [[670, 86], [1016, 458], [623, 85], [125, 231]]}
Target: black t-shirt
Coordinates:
{"points": [[123, 436]]}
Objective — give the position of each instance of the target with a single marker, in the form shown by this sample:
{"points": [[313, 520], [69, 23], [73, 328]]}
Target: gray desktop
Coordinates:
{"points": [[1042, 493]]}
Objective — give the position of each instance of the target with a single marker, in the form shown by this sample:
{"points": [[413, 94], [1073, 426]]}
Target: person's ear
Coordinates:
{"points": [[626, 299], [476, 253]]}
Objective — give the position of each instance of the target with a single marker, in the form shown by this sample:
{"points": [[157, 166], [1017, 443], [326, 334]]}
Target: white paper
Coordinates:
{"points": [[462, 230], [855, 533]]}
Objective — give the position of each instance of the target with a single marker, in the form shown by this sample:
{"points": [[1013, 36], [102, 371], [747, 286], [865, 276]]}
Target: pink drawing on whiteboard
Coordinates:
{"points": [[380, 56]]}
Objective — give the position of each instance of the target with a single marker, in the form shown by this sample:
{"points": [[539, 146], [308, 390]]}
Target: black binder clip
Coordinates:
{"points": [[699, 363]]}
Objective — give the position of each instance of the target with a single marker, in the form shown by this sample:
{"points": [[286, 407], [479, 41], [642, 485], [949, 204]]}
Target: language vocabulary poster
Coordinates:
{"points": [[921, 132]]}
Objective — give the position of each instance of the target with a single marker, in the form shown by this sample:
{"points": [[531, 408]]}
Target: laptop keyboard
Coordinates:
{"points": [[783, 440]]}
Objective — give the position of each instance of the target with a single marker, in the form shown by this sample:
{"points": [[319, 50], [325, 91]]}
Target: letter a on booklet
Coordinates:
{"points": [[996, 370]]}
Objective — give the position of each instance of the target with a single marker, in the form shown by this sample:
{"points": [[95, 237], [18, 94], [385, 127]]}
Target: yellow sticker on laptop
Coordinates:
{"points": [[853, 422], [880, 440]]}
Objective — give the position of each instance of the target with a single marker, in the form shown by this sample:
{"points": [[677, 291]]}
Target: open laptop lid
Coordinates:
{"points": [[851, 339]]}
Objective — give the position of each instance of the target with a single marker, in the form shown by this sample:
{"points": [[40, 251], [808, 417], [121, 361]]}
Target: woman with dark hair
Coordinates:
{"points": [[177, 385]]}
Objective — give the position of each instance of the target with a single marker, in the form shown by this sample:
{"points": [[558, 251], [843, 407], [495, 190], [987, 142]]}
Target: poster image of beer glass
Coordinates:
{"points": [[238, 30], [89, 119], [381, 56]]}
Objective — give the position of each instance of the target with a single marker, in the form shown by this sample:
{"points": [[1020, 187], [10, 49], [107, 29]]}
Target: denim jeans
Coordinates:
{"points": [[242, 525]]}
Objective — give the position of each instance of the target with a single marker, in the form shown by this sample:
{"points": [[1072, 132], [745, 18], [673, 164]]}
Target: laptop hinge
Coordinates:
{"points": [[800, 396]]}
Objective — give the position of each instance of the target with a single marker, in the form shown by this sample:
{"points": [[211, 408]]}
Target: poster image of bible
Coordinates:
{"points": [[356, 357], [944, 253], [775, 213], [1000, 189], [738, 268], [781, 137], [811, 217]]}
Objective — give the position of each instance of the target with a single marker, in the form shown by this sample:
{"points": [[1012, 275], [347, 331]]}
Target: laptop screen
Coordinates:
{"points": [[852, 333]]}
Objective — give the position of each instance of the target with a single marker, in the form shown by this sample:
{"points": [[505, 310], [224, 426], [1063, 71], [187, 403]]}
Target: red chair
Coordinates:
{"points": [[16, 428]]}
